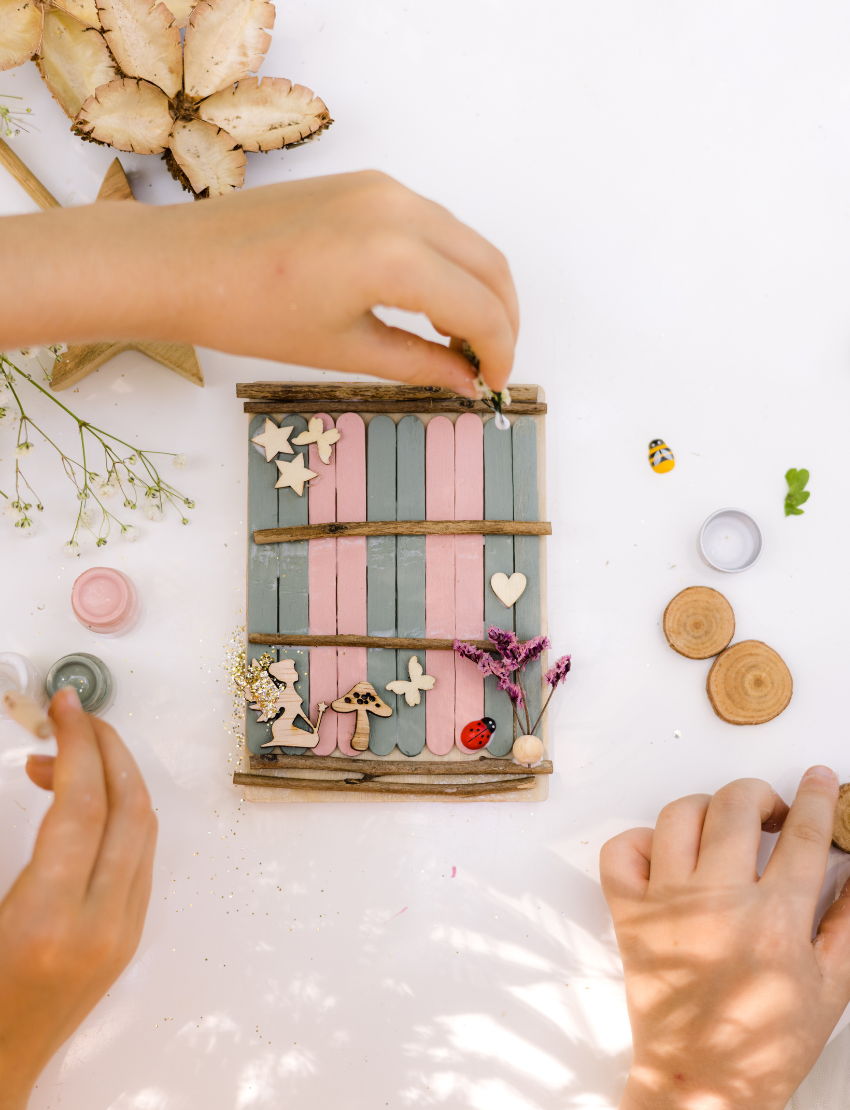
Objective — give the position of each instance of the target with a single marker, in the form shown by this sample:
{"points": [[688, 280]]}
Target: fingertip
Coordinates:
{"points": [[66, 700], [39, 769]]}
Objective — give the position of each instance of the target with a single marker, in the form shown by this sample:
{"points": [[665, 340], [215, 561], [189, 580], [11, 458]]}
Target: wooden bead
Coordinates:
{"points": [[841, 823], [699, 622], [749, 684], [528, 750]]}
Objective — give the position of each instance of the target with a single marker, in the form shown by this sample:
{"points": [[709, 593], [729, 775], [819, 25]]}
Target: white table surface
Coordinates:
{"points": [[671, 184]]}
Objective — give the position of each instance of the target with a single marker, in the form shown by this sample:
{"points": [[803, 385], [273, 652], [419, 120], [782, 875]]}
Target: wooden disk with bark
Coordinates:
{"points": [[749, 684], [699, 622], [841, 822]]}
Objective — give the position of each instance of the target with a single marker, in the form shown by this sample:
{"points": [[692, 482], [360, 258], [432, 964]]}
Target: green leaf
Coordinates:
{"points": [[797, 493]]}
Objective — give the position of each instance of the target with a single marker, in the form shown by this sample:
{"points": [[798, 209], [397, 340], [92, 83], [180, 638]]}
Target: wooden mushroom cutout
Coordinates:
{"points": [[362, 699]]}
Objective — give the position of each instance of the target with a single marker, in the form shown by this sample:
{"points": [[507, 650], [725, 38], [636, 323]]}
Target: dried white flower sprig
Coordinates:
{"points": [[130, 473], [11, 118]]}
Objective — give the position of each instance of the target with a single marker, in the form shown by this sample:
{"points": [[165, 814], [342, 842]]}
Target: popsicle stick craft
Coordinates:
{"points": [[386, 524]]}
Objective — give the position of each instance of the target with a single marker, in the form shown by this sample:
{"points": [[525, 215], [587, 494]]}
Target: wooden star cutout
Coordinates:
{"points": [[274, 440], [82, 359], [294, 474]]}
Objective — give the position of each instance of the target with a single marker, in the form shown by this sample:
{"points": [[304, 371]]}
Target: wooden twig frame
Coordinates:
{"points": [[405, 528], [283, 529]]}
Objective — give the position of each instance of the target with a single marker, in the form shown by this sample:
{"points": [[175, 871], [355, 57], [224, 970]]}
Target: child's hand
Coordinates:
{"points": [[730, 1001], [287, 272], [73, 919]]}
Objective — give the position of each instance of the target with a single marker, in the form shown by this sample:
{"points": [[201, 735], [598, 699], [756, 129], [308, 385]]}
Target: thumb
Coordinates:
{"points": [[832, 943]]}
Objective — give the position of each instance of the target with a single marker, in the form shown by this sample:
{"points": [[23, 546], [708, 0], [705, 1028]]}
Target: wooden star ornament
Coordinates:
{"points": [[274, 440], [84, 358], [294, 474]]}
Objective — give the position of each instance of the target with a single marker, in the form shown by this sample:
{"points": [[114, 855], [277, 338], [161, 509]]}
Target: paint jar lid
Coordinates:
{"points": [[105, 600], [88, 675], [730, 540]]}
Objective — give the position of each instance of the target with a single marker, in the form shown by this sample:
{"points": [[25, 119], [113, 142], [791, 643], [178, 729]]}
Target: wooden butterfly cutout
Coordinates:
{"points": [[316, 433], [418, 681]]}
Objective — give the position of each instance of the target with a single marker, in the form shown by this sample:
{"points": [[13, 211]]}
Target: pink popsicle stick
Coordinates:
{"points": [[469, 567], [440, 584], [351, 564], [322, 592]]}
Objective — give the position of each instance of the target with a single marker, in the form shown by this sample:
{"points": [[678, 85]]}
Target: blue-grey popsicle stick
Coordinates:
{"points": [[381, 575], [410, 562], [498, 556], [527, 551], [293, 581], [263, 560]]}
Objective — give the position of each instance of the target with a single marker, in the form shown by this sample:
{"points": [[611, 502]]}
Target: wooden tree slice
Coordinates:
{"points": [[699, 623], [841, 823], [749, 684]]}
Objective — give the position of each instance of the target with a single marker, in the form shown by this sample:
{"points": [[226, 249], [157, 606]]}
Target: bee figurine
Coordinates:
{"points": [[660, 457], [477, 734]]}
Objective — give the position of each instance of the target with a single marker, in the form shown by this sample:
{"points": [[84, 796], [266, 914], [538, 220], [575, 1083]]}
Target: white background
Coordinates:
{"points": [[670, 184]]}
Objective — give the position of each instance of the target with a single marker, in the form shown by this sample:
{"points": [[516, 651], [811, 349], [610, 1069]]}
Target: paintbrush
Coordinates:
{"points": [[26, 712]]}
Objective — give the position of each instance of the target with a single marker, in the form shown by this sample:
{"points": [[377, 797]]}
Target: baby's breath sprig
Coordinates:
{"points": [[11, 119], [129, 473]]}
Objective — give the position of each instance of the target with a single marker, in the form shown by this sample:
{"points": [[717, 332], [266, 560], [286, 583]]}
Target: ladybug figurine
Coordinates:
{"points": [[477, 734]]}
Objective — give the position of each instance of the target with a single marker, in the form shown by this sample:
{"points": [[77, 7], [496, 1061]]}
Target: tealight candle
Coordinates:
{"points": [[105, 601], [89, 675]]}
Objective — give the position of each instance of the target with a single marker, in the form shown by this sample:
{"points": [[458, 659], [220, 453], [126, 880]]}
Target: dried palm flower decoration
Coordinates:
{"points": [[121, 72]]}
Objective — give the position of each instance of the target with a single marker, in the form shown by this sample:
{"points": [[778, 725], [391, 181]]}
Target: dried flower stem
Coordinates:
{"points": [[120, 470]]}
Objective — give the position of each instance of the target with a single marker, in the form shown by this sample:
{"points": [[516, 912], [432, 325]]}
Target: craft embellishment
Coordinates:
{"points": [[284, 732], [324, 440], [660, 457], [362, 700], [122, 72], [274, 440], [294, 474], [368, 580], [418, 681], [477, 734], [749, 683], [508, 590]]}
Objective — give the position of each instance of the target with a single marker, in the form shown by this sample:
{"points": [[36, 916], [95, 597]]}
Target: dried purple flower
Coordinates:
{"points": [[506, 642], [559, 672], [470, 651], [531, 650], [512, 689]]}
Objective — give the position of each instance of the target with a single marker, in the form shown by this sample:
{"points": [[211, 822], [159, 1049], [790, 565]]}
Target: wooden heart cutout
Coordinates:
{"points": [[508, 590]]}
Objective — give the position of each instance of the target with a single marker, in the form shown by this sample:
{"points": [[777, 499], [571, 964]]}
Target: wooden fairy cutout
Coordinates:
{"points": [[508, 590], [294, 474], [363, 699], [418, 681], [284, 732], [274, 440], [83, 359], [316, 434]]}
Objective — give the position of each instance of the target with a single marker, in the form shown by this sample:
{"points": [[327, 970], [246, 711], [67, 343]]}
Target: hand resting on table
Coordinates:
{"points": [[730, 1001], [73, 919], [288, 272]]}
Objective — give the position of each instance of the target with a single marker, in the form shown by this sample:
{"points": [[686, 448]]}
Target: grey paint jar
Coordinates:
{"points": [[90, 677]]}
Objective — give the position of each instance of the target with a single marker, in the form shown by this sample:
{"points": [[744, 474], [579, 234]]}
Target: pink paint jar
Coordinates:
{"points": [[105, 601]]}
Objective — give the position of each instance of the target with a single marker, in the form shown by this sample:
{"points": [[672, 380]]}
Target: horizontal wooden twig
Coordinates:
{"points": [[362, 391], [370, 786], [280, 639], [516, 408], [405, 528], [482, 766]]}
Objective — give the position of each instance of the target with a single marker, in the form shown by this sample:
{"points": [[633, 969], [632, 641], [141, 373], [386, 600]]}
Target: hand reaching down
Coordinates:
{"points": [[730, 1000], [73, 919]]}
